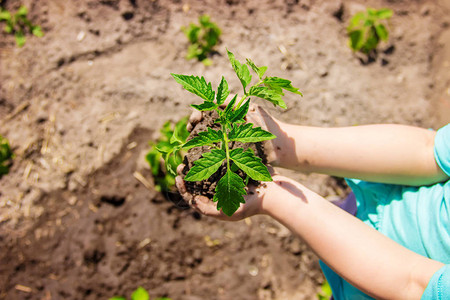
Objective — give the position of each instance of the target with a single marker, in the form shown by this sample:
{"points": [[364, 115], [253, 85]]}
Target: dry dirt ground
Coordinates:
{"points": [[80, 104]]}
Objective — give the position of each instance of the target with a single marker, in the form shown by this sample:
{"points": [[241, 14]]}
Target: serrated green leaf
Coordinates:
{"points": [[196, 85], [384, 13], [237, 116], [382, 32], [251, 164], [140, 294], [258, 70], [205, 106], [277, 83], [241, 70], [206, 166], [230, 105], [266, 93], [222, 91], [229, 192], [246, 133], [204, 138]]}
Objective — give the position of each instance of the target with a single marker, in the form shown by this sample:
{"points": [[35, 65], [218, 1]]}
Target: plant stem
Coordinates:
{"points": [[246, 95]]}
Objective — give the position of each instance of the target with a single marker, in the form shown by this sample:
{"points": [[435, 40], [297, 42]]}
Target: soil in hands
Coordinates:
{"points": [[207, 187]]}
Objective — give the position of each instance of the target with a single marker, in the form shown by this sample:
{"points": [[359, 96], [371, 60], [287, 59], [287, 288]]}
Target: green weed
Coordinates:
{"points": [[367, 29], [202, 37]]}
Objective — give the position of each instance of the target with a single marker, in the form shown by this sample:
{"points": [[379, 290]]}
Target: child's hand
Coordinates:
{"points": [[204, 205]]}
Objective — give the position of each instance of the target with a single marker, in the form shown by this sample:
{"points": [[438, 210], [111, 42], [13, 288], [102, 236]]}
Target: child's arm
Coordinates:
{"points": [[396, 154], [367, 259]]}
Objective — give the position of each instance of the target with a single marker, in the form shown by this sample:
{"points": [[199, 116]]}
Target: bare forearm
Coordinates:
{"points": [[360, 254], [395, 154]]}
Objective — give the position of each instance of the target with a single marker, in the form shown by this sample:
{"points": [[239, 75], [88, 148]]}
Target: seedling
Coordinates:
{"points": [[170, 138], [325, 291], [5, 156], [367, 29], [18, 24], [203, 38], [230, 188], [139, 294]]}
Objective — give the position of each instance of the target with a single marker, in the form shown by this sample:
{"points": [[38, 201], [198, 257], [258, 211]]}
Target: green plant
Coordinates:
{"points": [[18, 24], [325, 291], [5, 156], [171, 137], [230, 188], [367, 29], [203, 38], [139, 294]]}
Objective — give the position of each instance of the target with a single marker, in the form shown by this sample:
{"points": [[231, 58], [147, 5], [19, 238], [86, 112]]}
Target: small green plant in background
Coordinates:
{"points": [[18, 24], [367, 29], [325, 291], [202, 37], [231, 187], [6, 155], [139, 294], [171, 137]]}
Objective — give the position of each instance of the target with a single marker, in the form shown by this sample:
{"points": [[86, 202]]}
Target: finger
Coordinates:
{"points": [[187, 197], [180, 169], [194, 119]]}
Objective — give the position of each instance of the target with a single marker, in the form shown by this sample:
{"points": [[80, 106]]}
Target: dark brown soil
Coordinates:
{"points": [[79, 215]]}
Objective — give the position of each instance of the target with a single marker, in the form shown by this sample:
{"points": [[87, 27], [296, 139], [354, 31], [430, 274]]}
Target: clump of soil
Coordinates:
{"points": [[207, 187]]}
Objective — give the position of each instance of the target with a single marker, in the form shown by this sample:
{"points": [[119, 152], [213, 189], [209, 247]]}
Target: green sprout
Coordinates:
{"points": [[230, 188], [202, 38], [367, 29], [139, 294], [6, 155], [170, 138], [18, 24]]}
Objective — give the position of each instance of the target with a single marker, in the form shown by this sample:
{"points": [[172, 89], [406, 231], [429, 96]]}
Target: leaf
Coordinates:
{"points": [[180, 132], [384, 13], [229, 192], [20, 38], [117, 298], [260, 71], [5, 15], [140, 294], [207, 105], [251, 164], [382, 32], [196, 85], [206, 166], [22, 11], [277, 83], [241, 70], [164, 147], [356, 39], [265, 92], [246, 133], [222, 91], [153, 158], [204, 138], [238, 115], [36, 30]]}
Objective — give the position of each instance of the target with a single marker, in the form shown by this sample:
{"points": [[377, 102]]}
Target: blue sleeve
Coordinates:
{"points": [[442, 148], [439, 286]]}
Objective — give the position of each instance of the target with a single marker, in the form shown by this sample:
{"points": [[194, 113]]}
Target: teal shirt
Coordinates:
{"points": [[415, 217]]}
